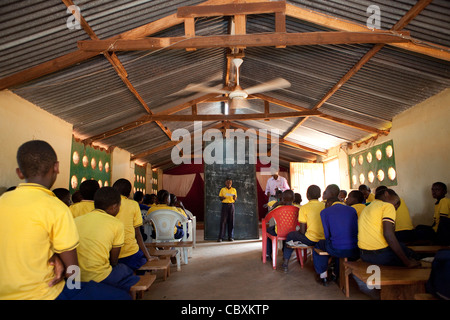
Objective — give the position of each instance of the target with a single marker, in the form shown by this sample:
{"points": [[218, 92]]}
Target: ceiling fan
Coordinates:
{"points": [[237, 96]]}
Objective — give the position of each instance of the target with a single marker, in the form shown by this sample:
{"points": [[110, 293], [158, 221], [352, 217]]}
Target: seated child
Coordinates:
{"points": [[101, 239], [355, 199], [368, 196], [64, 195], [376, 233], [272, 204], [286, 200], [87, 191], [311, 229], [35, 266], [134, 253], [340, 225], [342, 195], [297, 200], [441, 213], [163, 198]]}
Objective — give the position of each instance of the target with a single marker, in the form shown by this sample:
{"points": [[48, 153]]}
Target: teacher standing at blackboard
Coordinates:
{"points": [[275, 183], [228, 196]]}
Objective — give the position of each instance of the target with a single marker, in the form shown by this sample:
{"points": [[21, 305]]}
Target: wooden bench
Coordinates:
{"points": [[397, 283], [173, 244], [301, 252], [142, 285], [155, 265], [162, 254], [343, 280]]}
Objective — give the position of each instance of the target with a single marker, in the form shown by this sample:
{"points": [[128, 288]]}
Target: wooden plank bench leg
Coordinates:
{"points": [[144, 283], [343, 277]]}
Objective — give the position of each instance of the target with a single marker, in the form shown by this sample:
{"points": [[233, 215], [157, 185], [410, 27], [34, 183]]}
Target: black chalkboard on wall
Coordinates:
{"points": [[246, 213]]}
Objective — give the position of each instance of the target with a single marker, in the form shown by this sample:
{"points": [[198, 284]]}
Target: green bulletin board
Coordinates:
{"points": [[139, 178], [88, 163], [373, 167], [154, 182]]}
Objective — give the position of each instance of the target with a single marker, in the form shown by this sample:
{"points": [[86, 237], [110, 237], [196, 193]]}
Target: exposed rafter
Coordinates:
{"points": [[413, 12], [118, 66]]}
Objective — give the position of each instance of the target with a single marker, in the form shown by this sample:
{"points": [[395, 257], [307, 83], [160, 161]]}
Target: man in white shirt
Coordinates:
{"points": [[275, 183]]}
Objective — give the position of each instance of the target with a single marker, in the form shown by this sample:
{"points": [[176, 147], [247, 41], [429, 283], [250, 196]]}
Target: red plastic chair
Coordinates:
{"points": [[286, 219]]}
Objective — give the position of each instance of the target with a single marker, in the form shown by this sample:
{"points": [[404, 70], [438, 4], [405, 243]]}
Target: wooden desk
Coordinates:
{"points": [[397, 283]]}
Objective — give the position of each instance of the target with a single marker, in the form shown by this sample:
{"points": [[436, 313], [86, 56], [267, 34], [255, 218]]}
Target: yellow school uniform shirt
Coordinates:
{"points": [[99, 233], [403, 219], [80, 208], [359, 207], [370, 225], [271, 203], [131, 217], [309, 213], [370, 198], [34, 224], [441, 209], [223, 193]]}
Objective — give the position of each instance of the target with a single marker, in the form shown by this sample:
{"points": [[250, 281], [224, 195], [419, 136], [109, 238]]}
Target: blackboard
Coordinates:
{"points": [[246, 214]]}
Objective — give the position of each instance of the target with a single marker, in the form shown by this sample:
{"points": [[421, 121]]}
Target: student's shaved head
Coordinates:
{"points": [[35, 158]]}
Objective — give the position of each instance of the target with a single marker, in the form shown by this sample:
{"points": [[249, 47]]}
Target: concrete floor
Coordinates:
{"points": [[234, 271]]}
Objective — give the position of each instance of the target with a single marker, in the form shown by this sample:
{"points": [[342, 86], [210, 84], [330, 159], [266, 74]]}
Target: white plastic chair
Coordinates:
{"points": [[192, 227], [164, 222]]}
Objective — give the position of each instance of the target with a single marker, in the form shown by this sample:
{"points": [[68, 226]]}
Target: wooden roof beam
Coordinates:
{"points": [[282, 141], [244, 40], [411, 14], [345, 122], [172, 143], [318, 18], [147, 119], [118, 66]]}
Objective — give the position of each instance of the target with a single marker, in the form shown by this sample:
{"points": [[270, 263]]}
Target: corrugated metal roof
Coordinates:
{"points": [[94, 99]]}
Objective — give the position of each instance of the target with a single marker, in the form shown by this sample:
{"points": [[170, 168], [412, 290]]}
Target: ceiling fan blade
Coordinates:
{"points": [[201, 88], [278, 83]]}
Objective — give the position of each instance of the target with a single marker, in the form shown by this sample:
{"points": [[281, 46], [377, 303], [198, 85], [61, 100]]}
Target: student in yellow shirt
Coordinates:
{"points": [[441, 213], [297, 200], [376, 233], [101, 239], [311, 229], [274, 203], [404, 229], [64, 195], [356, 199], [88, 188], [368, 196], [134, 252], [228, 196], [38, 237]]}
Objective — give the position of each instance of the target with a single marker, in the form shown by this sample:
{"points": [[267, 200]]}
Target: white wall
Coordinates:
{"points": [[121, 166], [422, 154], [21, 121]]}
